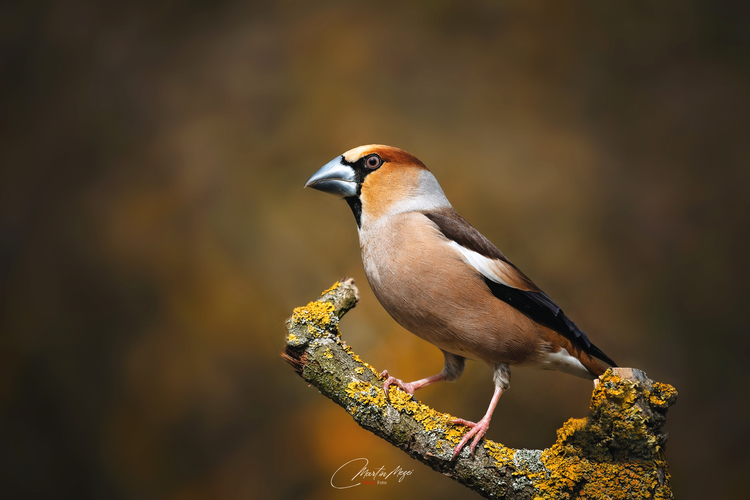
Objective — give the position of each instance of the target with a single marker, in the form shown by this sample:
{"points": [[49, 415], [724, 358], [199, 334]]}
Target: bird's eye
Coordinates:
{"points": [[373, 161]]}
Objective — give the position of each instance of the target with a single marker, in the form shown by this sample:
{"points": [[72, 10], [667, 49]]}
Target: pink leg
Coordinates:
{"points": [[477, 429], [409, 387]]}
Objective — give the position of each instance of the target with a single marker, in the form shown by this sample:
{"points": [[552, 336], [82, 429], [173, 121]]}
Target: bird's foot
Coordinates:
{"points": [[477, 431], [389, 381]]}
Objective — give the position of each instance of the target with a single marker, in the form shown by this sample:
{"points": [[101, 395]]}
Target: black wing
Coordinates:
{"points": [[540, 308]]}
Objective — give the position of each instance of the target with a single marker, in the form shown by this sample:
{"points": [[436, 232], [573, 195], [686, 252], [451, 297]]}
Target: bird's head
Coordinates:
{"points": [[378, 181]]}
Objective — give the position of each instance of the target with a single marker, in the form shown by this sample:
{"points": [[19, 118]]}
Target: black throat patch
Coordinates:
{"points": [[356, 205]]}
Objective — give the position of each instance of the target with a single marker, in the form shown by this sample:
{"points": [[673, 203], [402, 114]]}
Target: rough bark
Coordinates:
{"points": [[617, 452]]}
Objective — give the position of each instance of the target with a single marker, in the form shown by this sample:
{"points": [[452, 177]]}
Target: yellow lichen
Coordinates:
{"points": [[328, 354], [315, 315], [292, 338], [356, 358], [314, 312], [615, 391], [431, 420], [365, 393], [455, 433], [569, 475], [613, 454], [502, 454], [662, 395], [569, 428], [335, 286]]}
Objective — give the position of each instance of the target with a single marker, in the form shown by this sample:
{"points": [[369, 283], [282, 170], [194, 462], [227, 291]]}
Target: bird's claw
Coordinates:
{"points": [[389, 381], [477, 431]]}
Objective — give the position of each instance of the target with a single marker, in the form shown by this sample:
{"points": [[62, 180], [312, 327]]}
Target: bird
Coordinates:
{"points": [[443, 281]]}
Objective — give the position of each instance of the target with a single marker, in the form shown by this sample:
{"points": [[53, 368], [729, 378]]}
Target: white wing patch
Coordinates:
{"points": [[489, 268]]}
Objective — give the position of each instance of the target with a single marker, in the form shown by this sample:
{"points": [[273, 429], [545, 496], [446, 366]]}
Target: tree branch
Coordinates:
{"points": [[616, 452]]}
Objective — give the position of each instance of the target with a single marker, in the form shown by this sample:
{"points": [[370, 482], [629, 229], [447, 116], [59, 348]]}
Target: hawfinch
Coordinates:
{"points": [[443, 281]]}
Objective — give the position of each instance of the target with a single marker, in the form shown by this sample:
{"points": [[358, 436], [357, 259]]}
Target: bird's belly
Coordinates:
{"points": [[439, 309], [427, 289], [416, 304], [433, 324]]}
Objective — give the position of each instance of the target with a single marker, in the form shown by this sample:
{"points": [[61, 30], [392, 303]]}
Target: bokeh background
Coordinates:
{"points": [[154, 233]]}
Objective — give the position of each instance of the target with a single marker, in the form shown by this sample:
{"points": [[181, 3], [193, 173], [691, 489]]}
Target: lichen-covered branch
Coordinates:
{"points": [[618, 452]]}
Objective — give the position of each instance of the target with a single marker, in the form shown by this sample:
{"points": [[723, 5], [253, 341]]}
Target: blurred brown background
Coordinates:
{"points": [[154, 233]]}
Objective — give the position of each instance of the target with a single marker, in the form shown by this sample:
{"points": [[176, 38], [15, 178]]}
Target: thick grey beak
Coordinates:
{"points": [[335, 178]]}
